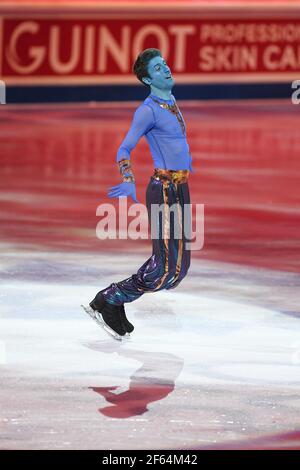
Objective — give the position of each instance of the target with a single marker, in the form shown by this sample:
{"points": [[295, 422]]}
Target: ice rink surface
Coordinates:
{"points": [[212, 364], [199, 369]]}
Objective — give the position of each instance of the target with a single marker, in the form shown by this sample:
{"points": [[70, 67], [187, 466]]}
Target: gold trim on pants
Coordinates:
{"points": [[166, 177], [174, 176]]}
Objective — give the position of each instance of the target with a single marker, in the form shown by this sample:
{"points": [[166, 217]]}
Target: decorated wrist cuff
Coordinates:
{"points": [[126, 170]]}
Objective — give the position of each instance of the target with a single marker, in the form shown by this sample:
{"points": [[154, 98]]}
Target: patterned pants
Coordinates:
{"points": [[170, 260]]}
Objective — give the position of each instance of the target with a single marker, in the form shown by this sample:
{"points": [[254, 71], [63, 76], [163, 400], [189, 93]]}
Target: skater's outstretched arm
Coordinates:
{"points": [[142, 122]]}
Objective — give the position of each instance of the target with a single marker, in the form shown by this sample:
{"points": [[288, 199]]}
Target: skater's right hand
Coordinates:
{"points": [[123, 190]]}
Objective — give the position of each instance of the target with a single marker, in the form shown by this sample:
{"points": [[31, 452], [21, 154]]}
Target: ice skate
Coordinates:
{"points": [[127, 325], [96, 316], [107, 316]]}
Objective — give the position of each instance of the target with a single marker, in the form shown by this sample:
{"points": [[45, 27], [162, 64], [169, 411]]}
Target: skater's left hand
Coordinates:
{"points": [[122, 190]]}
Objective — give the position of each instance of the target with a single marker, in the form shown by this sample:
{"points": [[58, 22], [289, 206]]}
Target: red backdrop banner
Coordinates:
{"points": [[101, 48]]}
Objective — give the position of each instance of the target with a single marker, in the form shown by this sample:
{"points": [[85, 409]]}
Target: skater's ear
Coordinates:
{"points": [[146, 80]]}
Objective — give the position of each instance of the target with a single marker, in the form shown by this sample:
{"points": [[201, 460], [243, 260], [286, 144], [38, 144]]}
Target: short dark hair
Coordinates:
{"points": [[140, 67]]}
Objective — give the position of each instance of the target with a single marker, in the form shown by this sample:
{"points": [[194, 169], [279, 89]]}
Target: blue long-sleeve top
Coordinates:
{"points": [[167, 141]]}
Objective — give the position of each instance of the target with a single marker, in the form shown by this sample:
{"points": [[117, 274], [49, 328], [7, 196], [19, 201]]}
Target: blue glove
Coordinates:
{"points": [[122, 190]]}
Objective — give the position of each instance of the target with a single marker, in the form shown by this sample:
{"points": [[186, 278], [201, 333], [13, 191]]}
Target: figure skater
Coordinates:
{"points": [[159, 119]]}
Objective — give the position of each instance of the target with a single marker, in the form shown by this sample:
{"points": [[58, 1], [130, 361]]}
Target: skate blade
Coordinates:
{"points": [[96, 316]]}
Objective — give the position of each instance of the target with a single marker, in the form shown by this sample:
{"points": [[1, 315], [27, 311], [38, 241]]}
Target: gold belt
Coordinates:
{"points": [[174, 176]]}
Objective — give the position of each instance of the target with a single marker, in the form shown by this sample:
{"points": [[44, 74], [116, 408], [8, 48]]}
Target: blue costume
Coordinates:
{"points": [[165, 136], [162, 124]]}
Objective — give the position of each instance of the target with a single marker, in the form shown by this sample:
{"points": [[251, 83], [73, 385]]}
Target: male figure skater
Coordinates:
{"points": [[159, 119]]}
